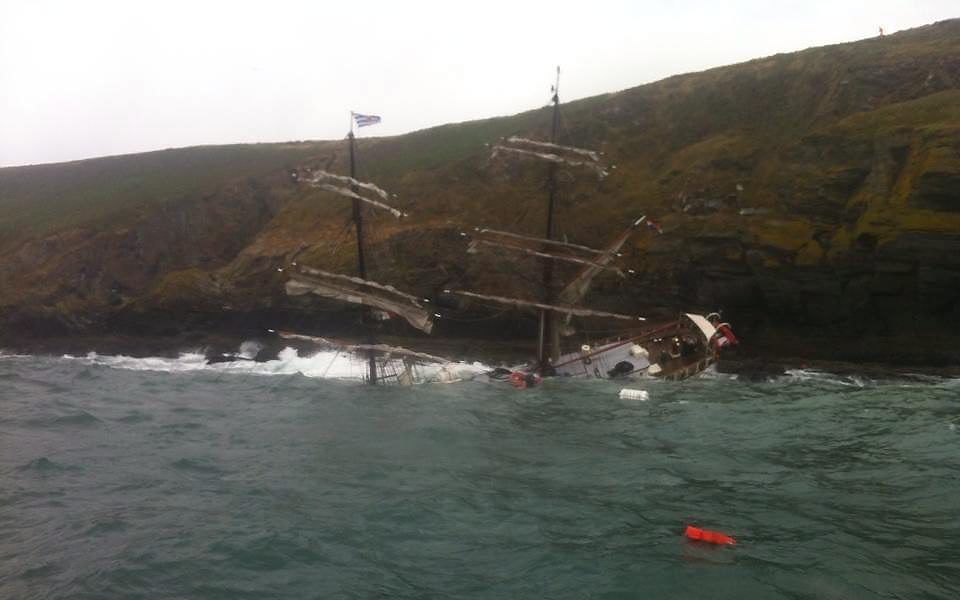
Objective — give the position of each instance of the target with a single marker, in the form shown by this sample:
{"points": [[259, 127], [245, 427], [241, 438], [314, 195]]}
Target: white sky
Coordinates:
{"points": [[87, 78]]}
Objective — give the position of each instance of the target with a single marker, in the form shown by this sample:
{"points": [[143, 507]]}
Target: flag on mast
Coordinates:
{"points": [[364, 120]]}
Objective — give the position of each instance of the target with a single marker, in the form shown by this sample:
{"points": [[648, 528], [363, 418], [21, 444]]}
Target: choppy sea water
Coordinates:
{"points": [[223, 482]]}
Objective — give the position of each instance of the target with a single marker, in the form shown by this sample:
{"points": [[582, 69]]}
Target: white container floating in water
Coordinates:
{"points": [[628, 394]]}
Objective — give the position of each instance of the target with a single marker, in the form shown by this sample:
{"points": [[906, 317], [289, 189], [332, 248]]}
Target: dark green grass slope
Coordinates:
{"points": [[38, 199], [756, 107]]}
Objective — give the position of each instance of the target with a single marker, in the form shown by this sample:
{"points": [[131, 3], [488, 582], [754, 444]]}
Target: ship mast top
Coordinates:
{"points": [[548, 343]]}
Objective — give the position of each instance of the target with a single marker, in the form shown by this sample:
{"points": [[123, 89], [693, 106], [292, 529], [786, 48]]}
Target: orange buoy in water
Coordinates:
{"points": [[705, 535], [522, 381]]}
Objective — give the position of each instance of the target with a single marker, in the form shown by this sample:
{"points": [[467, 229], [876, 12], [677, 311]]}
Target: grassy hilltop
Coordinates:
{"points": [[814, 196]]}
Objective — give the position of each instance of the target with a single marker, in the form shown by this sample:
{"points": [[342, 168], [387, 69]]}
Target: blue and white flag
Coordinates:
{"points": [[364, 120]]}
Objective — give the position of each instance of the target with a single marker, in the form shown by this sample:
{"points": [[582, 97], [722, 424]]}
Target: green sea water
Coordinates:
{"points": [[200, 483]]}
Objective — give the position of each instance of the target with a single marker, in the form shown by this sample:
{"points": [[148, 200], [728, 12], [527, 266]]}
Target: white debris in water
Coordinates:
{"points": [[629, 394]]}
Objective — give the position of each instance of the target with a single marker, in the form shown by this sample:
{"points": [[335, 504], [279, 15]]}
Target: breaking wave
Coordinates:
{"points": [[322, 364], [825, 377], [863, 381], [331, 364]]}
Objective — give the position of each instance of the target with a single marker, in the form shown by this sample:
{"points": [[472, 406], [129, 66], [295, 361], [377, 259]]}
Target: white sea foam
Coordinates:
{"points": [[323, 364], [187, 361], [711, 372], [250, 349], [820, 376], [862, 381]]}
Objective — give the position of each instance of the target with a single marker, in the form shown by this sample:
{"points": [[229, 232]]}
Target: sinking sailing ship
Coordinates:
{"points": [[384, 363], [676, 349]]}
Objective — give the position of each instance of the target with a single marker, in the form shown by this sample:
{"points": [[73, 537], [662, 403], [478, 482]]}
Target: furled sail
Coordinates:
{"points": [[591, 154], [569, 310], [351, 194], [472, 248], [578, 288], [321, 179], [360, 291], [317, 177], [551, 152], [378, 348], [555, 158], [365, 282], [539, 240]]}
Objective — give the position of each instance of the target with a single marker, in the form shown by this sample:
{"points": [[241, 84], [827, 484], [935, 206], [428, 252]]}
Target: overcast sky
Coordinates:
{"points": [[87, 78]]}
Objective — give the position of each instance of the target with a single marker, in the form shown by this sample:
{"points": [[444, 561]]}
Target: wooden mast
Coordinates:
{"points": [[548, 345], [361, 260]]}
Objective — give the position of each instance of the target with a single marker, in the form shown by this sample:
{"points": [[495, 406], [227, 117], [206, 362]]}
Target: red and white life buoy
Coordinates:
{"points": [[727, 332], [724, 336]]}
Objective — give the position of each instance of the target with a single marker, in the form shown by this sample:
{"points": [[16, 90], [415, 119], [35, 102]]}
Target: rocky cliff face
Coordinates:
{"points": [[814, 197]]}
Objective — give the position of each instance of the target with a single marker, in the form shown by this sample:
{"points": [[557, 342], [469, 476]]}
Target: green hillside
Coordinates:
{"points": [[41, 198], [812, 195]]}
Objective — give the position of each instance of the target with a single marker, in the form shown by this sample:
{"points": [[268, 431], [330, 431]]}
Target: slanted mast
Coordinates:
{"points": [[578, 287]]}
